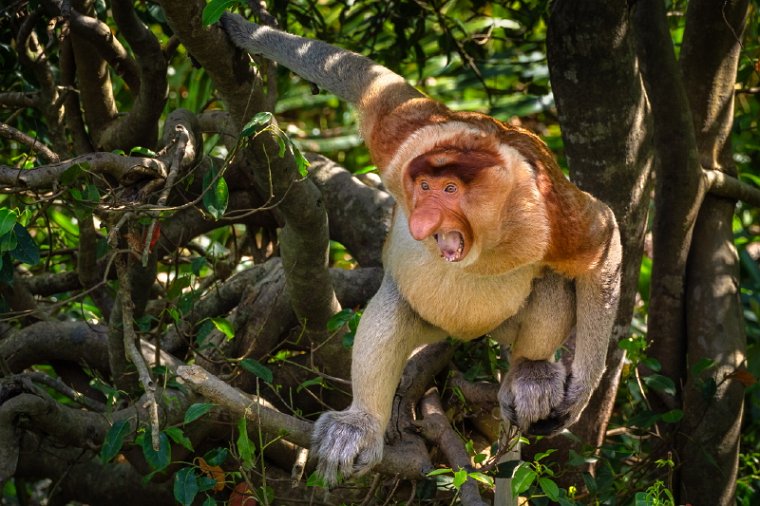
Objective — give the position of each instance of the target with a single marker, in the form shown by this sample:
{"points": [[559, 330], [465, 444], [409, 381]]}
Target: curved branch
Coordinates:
{"points": [[724, 185], [99, 36], [118, 166], [9, 132], [396, 460], [436, 428], [359, 215]]}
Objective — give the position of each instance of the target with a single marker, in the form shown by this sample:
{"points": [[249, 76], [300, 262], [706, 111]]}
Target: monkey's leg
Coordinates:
{"points": [[351, 441], [533, 390]]}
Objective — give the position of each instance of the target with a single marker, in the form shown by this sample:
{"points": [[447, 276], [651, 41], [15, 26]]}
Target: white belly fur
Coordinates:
{"points": [[444, 294]]}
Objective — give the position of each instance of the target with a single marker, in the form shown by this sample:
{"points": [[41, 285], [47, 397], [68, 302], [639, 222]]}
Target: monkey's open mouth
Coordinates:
{"points": [[451, 245]]}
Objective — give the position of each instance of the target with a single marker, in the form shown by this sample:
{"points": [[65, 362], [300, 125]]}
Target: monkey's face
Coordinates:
{"points": [[436, 212], [440, 187]]}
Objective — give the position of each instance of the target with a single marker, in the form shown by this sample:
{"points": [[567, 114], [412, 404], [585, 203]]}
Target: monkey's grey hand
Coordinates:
{"points": [[534, 396], [238, 29], [346, 443]]}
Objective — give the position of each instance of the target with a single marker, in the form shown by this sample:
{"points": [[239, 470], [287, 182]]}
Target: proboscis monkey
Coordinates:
{"points": [[488, 237]]}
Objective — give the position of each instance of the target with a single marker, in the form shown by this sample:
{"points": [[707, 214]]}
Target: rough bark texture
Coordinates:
{"points": [[679, 191], [714, 323], [607, 142]]}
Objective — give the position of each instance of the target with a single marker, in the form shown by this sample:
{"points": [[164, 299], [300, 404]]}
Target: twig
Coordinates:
{"points": [[62, 388], [130, 346]]}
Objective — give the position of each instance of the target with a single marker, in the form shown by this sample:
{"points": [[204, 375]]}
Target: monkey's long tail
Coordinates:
{"points": [[351, 76]]}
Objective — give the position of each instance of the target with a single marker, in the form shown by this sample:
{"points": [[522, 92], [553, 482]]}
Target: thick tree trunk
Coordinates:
{"points": [[590, 54], [708, 442]]}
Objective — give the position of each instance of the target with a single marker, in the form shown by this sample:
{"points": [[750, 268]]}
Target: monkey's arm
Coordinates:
{"points": [[351, 441], [351, 76], [597, 294]]}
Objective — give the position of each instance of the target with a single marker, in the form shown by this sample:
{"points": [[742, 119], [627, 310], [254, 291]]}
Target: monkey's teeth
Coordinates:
{"points": [[451, 245]]}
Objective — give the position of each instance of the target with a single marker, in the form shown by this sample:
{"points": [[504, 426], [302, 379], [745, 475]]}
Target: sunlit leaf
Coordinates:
{"points": [[224, 326], [7, 220], [245, 447], [523, 479], [259, 120], [549, 488], [214, 10]]}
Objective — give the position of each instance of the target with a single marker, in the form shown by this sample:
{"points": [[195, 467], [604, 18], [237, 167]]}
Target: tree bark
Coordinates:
{"points": [[708, 440], [607, 142]]}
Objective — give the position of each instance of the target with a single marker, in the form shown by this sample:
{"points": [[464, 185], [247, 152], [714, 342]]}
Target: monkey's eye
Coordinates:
{"points": [[425, 186], [450, 188]]}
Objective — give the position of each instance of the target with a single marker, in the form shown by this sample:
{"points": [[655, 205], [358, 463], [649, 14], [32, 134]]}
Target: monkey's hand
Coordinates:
{"points": [[535, 396], [346, 443]]}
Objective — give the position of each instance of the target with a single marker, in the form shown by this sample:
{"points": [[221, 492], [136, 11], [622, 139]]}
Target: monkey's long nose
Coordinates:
{"points": [[424, 222]]}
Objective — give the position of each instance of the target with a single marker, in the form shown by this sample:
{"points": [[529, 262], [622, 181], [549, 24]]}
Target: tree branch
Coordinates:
{"points": [[724, 185], [436, 428], [396, 461], [9, 132], [118, 166]]}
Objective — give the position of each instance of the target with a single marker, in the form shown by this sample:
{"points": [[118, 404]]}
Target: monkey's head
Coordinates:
{"points": [[468, 193]]}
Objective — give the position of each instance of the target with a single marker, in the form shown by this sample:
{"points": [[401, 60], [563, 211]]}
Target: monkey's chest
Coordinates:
{"points": [[464, 305]]}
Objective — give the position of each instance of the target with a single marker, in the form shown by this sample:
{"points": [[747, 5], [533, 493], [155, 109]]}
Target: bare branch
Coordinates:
{"points": [[19, 99], [724, 185], [9, 132], [118, 166], [396, 460], [437, 429], [99, 36]]}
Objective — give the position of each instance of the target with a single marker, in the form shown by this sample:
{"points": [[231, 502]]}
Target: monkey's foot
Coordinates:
{"points": [[532, 396], [346, 443]]}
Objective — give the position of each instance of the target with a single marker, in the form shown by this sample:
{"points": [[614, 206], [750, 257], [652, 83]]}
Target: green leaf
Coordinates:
{"points": [[482, 478], [549, 488], [7, 220], [198, 263], [139, 150], [702, 365], [302, 164], [438, 472], [8, 242], [243, 444], [71, 174], [206, 483], [216, 456], [214, 10], [339, 319], [209, 501], [660, 383], [178, 436], [224, 326], [216, 194], [543, 455], [460, 477], [196, 411], [652, 363], [185, 486], [26, 250], [260, 119], [258, 369], [672, 416], [157, 459], [523, 479], [114, 440]]}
